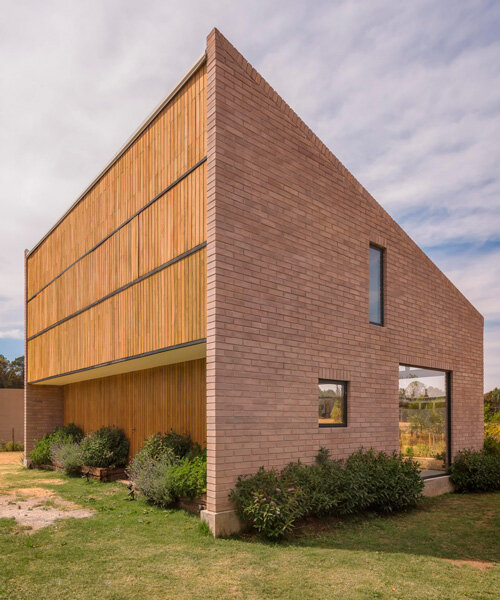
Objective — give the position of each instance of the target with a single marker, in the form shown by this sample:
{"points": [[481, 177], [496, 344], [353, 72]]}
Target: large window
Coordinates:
{"points": [[332, 403], [376, 296], [423, 417]]}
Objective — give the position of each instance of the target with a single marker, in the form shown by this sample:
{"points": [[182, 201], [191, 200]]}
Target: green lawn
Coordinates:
{"points": [[131, 550]]}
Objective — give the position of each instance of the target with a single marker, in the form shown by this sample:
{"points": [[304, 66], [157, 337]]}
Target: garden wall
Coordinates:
{"points": [[11, 415]]}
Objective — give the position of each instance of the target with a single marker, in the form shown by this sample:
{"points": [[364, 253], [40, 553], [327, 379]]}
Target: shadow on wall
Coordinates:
{"points": [[11, 415]]}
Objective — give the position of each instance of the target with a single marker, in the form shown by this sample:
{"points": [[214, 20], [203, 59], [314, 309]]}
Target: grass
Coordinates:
{"points": [[132, 550]]}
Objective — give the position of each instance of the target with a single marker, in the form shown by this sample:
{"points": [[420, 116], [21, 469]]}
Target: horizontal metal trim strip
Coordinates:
{"points": [[121, 289], [126, 222], [199, 63], [119, 360]]}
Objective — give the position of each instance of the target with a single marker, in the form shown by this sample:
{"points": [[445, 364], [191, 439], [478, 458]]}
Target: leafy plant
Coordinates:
{"points": [[262, 502], [180, 444], [106, 447], [492, 445], [188, 476], [150, 477], [272, 501], [167, 467], [11, 446], [473, 471], [68, 454], [40, 455]]}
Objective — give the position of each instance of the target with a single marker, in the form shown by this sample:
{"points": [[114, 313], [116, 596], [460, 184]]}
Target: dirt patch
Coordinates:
{"points": [[35, 491], [34, 514], [10, 458], [482, 565]]}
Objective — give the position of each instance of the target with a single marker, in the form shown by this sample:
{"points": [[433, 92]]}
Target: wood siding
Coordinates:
{"points": [[163, 310], [167, 228], [91, 319], [143, 402], [172, 144]]}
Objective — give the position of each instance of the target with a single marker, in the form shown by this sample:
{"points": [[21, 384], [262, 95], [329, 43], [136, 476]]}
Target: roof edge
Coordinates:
{"points": [[201, 61]]}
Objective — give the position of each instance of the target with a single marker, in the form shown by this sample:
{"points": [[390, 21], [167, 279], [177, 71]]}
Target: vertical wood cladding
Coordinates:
{"points": [[171, 144], [142, 402], [163, 310], [167, 228], [166, 308]]}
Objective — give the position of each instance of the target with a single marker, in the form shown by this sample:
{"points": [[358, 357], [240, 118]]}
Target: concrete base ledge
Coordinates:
{"points": [[435, 486], [222, 523]]}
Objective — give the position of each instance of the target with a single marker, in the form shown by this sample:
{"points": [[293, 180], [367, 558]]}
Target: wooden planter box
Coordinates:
{"points": [[98, 473], [104, 474], [193, 505]]}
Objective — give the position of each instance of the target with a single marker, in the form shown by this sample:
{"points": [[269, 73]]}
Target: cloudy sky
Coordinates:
{"points": [[407, 94]]}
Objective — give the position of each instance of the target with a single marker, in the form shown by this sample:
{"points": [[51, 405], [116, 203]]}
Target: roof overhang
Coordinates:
{"points": [[148, 361]]}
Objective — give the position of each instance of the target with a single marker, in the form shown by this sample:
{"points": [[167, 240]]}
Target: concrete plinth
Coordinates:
{"points": [[435, 486], [222, 523]]}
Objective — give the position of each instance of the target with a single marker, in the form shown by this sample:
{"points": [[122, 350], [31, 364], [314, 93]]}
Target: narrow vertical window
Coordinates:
{"points": [[376, 296]]}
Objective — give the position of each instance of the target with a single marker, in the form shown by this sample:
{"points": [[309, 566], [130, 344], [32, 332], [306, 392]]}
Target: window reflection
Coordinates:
{"points": [[332, 402], [423, 417]]}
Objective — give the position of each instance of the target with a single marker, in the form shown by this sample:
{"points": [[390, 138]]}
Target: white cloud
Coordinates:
{"points": [[12, 334], [406, 94]]}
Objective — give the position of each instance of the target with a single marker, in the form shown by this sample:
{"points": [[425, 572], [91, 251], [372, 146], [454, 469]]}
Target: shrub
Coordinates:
{"points": [[150, 477], [188, 476], [491, 445], [272, 501], [476, 471], [179, 444], [40, 454], [161, 477], [11, 446], [106, 447], [386, 483], [262, 502], [68, 454]]}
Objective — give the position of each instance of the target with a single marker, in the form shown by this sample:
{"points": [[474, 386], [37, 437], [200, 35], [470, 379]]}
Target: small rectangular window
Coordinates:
{"points": [[332, 403], [376, 296]]}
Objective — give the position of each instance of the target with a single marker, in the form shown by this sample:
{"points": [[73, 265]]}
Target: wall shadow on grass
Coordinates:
{"points": [[454, 526]]}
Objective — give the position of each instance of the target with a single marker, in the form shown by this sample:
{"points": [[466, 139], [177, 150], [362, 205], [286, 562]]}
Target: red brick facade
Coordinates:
{"points": [[289, 230], [43, 412]]}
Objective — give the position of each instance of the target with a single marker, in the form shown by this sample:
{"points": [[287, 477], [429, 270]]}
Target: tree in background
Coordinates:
{"points": [[492, 413], [11, 372]]}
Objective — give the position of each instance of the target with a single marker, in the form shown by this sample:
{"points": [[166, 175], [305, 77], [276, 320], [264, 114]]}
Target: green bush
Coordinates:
{"points": [[68, 454], [179, 444], [264, 502], [391, 483], [272, 501], [161, 477], [106, 447], [11, 446], [150, 477], [473, 471], [40, 455], [188, 476], [492, 445]]}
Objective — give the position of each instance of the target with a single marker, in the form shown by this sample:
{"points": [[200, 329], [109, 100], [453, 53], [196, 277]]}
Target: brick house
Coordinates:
{"points": [[226, 275]]}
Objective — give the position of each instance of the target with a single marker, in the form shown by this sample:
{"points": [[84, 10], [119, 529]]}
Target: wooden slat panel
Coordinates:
{"points": [[165, 309], [171, 144], [166, 229], [143, 402]]}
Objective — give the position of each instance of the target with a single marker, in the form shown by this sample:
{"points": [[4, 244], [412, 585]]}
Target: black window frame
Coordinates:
{"points": [[382, 286], [344, 402], [449, 416]]}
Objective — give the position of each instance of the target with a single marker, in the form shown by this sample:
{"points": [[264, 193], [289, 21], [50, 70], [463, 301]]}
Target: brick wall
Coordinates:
{"points": [[287, 283], [43, 412]]}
